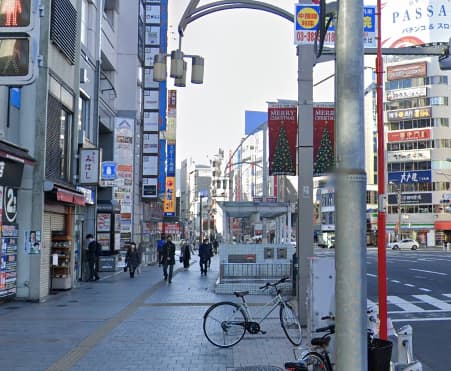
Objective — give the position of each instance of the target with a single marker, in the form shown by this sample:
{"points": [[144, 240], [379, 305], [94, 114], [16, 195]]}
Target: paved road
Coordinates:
{"points": [[419, 294], [122, 324]]}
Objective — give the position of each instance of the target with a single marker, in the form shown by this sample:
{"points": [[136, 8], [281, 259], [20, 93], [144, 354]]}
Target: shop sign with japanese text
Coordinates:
{"points": [[419, 176], [306, 22], [89, 166], [401, 136], [408, 114]]}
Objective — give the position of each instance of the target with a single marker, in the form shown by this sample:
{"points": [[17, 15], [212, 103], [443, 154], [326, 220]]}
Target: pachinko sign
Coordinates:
{"points": [[408, 23]]}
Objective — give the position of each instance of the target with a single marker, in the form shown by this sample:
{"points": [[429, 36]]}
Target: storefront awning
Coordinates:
{"points": [[443, 225], [15, 153], [71, 197]]}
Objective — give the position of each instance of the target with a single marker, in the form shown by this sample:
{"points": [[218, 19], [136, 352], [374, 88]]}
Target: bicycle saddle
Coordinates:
{"points": [[240, 294], [322, 342]]}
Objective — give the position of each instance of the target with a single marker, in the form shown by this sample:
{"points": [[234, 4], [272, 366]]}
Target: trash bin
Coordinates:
{"points": [[294, 268], [379, 355]]}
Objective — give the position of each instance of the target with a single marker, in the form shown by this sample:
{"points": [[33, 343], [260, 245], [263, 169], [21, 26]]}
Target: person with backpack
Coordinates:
{"points": [[93, 254]]}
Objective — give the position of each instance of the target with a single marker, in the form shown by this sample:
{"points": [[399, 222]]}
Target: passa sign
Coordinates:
{"points": [[409, 23]]}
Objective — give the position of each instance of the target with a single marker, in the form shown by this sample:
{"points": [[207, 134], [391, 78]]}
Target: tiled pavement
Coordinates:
{"points": [[119, 323]]}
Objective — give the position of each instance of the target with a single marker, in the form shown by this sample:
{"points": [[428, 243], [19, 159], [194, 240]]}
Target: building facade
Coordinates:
{"points": [[71, 143], [418, 149]]}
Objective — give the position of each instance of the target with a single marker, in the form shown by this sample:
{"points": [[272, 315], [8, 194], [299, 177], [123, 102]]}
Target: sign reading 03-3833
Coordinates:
{"points": [[9, 205]]}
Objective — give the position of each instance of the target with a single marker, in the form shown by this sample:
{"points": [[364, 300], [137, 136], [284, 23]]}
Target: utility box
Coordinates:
{"points": [[323, 284]]}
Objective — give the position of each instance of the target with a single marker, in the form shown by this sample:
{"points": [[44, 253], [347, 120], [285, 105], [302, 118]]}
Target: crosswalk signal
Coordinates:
{"points": [[17, 45]]}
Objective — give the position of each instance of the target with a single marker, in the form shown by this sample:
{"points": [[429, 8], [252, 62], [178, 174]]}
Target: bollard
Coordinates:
{"points": [[405, 346]]}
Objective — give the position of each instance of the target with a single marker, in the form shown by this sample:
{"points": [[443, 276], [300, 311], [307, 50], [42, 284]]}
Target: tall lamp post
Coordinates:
{"points": [[399, 196]]}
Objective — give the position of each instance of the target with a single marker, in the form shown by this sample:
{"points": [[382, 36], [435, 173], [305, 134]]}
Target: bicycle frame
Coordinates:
{"points": [[264, 311]]}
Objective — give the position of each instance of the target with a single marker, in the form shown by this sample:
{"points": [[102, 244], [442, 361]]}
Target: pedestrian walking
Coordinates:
{"points": [[168, 259], [93, 255], [210, 253], [185, 254], [132, 259], [140, 251], [160, 245], [204, 255], [215, 246]]}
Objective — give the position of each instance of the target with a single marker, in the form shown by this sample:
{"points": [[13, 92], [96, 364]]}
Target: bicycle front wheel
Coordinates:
{"points": [[224, 324], [290, 324], [315, 362]]}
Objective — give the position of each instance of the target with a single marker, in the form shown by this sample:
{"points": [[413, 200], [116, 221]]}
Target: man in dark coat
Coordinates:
{"points": [[168, 258], [132, 259], [93, 254], [204, 255]]}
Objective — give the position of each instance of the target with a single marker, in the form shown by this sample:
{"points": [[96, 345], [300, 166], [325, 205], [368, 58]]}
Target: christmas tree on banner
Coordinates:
{"points": [[281, 163], [325, 158]]}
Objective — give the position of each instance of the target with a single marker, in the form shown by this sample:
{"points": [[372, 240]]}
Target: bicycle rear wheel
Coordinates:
{"points": [[315, 362], [224, 324], [290, 324]]}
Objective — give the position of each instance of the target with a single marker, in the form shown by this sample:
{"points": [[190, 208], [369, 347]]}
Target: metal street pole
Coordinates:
{"points": [[399, 212], [304, 238], [382, 201], [350, 256]]}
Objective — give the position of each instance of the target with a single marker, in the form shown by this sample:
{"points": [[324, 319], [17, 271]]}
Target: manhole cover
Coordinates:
{"points": [[12, 307], [258, 368], [61, 305], [73, 301]]}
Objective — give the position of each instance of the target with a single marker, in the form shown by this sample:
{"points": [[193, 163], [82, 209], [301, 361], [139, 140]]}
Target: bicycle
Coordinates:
{"points": [[316, 358], [226, 322]]}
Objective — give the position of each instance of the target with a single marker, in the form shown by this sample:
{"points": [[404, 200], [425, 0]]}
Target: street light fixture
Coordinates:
{"points": [[178, 68]]}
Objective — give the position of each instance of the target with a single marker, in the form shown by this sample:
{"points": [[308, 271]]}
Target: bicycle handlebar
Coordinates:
{"points": [[269, 284]]}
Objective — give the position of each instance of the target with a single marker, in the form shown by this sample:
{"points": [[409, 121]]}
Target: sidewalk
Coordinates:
{"points": [[119, 323]]}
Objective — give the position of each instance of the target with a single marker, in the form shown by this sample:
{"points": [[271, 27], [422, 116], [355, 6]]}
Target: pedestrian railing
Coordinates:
{"points": [[255, 271]]}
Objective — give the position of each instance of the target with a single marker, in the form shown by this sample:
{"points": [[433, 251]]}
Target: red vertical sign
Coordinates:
{"points": [[282, 132], [323, 139]]}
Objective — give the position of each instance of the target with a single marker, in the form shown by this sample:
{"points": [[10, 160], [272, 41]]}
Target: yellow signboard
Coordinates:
{"points": [[169, 197]]}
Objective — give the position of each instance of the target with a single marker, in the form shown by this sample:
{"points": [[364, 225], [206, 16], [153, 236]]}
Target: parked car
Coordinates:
{"points": [[406, 243]]}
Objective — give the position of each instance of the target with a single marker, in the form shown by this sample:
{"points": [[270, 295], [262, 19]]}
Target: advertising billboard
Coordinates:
{"points": [[409, 23]]}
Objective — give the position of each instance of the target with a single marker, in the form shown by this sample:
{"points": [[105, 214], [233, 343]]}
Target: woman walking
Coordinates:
{"points": [[132, 259], [185, 254]]}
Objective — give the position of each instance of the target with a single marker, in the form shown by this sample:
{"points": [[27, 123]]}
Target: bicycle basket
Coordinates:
{"points": [[379, 354]]}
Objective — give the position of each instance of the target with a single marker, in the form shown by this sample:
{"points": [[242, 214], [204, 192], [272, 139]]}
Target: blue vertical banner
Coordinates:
{"points": [[170, 160], [161, 168]]}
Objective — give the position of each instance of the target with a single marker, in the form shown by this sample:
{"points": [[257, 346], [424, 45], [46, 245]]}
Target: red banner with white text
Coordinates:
{"points": [[282, 132]]}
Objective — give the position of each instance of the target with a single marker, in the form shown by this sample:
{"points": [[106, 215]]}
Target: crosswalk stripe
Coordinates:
{"points": [[447, 295], [404, 304], [433, 301]]}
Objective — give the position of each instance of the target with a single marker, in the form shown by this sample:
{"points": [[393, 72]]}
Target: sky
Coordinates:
{"points": [[250, 59]]}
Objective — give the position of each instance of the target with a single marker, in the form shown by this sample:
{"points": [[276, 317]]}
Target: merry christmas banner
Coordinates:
{"points": [[282, 132], [323, 138]]}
